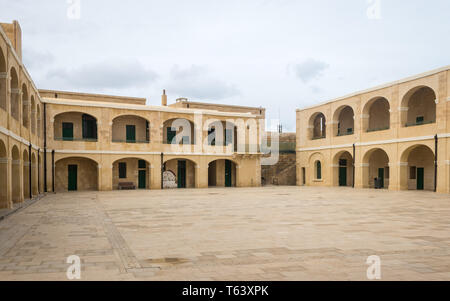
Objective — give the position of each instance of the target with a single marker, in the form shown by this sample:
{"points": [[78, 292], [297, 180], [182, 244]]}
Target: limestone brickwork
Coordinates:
{"points": [[393, 132]]}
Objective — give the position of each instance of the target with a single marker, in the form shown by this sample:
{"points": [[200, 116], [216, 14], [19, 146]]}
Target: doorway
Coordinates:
{"points": [[142, 179], [72, 178], [420, 178], [228, 180], [181, 174], [381, 177]]}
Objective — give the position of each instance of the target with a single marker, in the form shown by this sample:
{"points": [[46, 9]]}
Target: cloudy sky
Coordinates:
{"points": [[278, 54]]}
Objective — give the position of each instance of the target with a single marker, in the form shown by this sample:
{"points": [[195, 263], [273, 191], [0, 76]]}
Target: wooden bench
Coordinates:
{"points": [[127, 186]]}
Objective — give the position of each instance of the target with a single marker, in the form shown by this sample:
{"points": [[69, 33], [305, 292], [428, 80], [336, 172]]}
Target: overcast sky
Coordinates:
{"points": [[278, 54]]}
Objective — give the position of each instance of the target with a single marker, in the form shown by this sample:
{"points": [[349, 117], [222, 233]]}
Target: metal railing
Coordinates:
{"points": [[76, 139], [346, 133]]}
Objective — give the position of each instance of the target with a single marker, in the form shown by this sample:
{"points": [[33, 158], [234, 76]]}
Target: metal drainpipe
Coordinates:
{"points": [[53, 171], [162, 170], [354, 161], [45, 148], [39, 170], [436, 139], [30, 178]]}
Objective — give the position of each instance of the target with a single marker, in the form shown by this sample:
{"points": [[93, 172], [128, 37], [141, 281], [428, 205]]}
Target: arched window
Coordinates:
{"points": [[318, 170]]}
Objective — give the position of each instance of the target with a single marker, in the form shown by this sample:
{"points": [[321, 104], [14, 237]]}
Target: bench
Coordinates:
{"points": [[127, 186]]}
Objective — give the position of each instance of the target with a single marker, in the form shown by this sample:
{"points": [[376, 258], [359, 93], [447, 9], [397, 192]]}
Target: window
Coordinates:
{"points": [[131, 133], [420, 119], [342, 162], [413, 173], [147, 131], [318, 170], [185, 140], [228, 137], [122, 170], [212, 136], [67, 131], [142, 164], [171, 133], [89, 124]]}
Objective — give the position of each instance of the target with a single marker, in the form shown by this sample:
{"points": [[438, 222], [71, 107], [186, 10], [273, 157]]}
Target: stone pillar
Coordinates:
{"points": [[201, 175]]}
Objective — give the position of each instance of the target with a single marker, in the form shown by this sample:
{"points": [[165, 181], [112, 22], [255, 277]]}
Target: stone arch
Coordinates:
{"points": [[128, 128], [3, 175], [344, 121], [26, 174], [17, 197], [3, 80], [418, 106], [417, 168], [376, 115], [376, 165], [75, 126], [317, 126], [83, 177], [179, 131], [184, 170], [15, 94], [220, 132], [222, 173], [343, 169], [131, 170], [314, 166]]}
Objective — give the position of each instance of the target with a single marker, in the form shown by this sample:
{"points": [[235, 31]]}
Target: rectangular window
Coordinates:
{"points": [[147, 131], [413, 173], [89, 125], [171, 133], [142, 164], [212, 136], [67, 131], [420, 119], [122, 170], [228, 137], [131, 133]]}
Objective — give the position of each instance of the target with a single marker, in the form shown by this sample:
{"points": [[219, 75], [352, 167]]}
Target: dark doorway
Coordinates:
{"points": [[228, 176], [381, 177], [72, 178], [131, 133], [142, 179], [342, 176], [420, 178], [181, 174], [304, 176]]}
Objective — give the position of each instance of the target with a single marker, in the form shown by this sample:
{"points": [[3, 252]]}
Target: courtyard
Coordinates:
{"points": [[269, 233]]}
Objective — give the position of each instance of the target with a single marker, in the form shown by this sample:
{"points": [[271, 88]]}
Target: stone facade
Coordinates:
{"points": [[393, 132], [52, 141]]}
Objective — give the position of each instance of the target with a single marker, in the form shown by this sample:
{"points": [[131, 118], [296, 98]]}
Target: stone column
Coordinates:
{"points": [[201, 176]]}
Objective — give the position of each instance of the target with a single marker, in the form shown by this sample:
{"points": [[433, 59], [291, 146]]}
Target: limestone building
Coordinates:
{"points": [[395, 136], [53, 141]]}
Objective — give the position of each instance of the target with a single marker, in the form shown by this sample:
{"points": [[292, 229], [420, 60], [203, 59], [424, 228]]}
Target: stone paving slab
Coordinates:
{"points": [[270, 233]]}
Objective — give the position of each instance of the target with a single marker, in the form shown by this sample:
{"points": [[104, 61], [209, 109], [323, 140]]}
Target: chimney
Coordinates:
{"points": [[164, 99]]}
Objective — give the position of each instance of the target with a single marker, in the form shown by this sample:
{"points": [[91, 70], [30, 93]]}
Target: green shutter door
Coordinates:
{"points": [[72, 178], [131, 133], [342, 176], [142, 179], [67, 131], [228, 173], [181, 174], [420, 178], [381, 177]]}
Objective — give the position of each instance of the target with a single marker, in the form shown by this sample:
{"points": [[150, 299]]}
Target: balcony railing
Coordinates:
{"points": [[131, 141], [419, 123], [378, 129], [346, 133], [76, 139]]}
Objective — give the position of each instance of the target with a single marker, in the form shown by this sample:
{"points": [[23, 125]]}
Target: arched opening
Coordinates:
{"points": [[25, 107], [419, 173], [38, 120], [15, 93], [76, 174], [222, 173], [317, 126], [222, 133], [179, 131], [75, 126], [33, 115], [318, 170], [344, 121], [130, 129], [131, 173], [343, 169], [377, 116], [376, 172], [3, 175], [419, 107], [184, 171], [26, 175], [3, 79], [15, 179], [34, 177]]}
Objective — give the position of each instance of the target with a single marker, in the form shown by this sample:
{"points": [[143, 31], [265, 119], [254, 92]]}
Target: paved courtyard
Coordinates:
{"points": [[271, 233]]}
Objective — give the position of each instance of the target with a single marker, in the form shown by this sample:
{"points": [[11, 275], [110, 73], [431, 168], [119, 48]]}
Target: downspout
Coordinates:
{"points": [[45, 147], [436, 139], [39, 171], [30, 178], [354, 161], [53, 171], [162, 170]]}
